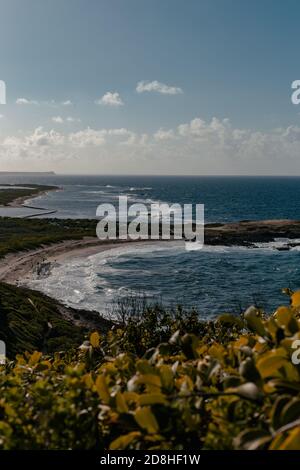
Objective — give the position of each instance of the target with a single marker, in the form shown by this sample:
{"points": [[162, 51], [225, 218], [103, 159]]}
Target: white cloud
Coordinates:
{"points": [[110, 99], [94, 137], [162, 134], [26, 101], [58, 119], [1, 116], [194, 147], [157, 87], [51, 103], [40, 144], [87, 137], [72, 119]]}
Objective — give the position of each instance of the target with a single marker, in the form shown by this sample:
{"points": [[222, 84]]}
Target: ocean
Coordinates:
{"points": [[212, 280]]}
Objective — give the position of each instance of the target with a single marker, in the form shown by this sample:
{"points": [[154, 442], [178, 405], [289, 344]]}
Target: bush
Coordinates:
{"points": [[164, 381]]}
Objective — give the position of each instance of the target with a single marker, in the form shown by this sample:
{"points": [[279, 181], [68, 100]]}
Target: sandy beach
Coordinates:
{"points": [[17, 268]]}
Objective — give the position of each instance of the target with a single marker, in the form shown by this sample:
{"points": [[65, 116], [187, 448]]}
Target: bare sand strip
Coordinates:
{"points": [[18, 267], [19, 202]]}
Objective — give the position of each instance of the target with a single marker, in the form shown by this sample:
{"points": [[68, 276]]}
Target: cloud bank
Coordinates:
{"points": [[194, 147]]}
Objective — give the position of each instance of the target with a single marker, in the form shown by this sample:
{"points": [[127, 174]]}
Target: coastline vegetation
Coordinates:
{"points": [[30, 320], [18, 234], [160, 380], [11, 192]]}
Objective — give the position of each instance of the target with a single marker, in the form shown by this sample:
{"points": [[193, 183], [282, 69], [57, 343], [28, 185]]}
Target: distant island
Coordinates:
{"points": [[27, 173]]}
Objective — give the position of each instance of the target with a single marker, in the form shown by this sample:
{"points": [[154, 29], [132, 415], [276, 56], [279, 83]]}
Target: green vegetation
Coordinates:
{"points": [[9, 193], [25, 234], [18, 234], [161, 380], [30, 320]]}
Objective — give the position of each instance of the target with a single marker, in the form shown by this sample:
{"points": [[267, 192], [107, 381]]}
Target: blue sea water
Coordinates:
{"points": [[214, 280]]}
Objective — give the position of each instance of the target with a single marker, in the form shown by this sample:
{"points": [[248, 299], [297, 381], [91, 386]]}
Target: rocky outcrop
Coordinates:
{"points": [[247, 233]]}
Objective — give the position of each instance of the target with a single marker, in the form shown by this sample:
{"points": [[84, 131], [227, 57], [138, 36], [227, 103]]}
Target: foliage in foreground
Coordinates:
{"points": [[163, 381]]}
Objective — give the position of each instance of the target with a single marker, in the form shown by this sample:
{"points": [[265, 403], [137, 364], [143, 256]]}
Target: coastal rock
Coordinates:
{"points": [[247, 233]]}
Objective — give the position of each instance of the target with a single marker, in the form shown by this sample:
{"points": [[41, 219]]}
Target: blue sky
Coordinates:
{"points": [[232, 59]]}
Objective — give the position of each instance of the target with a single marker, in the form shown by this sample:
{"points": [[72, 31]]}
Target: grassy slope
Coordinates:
{"points": [[30, 320], [24, 234]]}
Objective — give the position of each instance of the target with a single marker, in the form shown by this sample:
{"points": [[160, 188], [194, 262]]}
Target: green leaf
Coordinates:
{"points": [[249, 371], [290, 412], [230, 320], [254, 322], [277, 409], [252, 439]]}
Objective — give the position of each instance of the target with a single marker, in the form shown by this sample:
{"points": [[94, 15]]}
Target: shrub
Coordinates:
{"points": [[165, 381]]}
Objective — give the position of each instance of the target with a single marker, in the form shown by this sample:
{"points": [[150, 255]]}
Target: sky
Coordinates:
{"points": [[150, 87]]}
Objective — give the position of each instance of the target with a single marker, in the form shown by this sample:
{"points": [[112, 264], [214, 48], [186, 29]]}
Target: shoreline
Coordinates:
{"points": [[18, 267], [19, 202], [15, 268]]}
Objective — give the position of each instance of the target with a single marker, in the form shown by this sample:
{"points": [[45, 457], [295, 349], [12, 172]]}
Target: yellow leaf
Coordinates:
{"points": [[146, 419], [88, 380], [167, 376], [217, 351], [295, 299], [152, 399], [282, 312], [152, 381], [241, 341], [292, 442], [34, 358], [95, 339], [121, 403], [269, 364], [185, 384], [131, 397], [123, 441], [102, 388]]}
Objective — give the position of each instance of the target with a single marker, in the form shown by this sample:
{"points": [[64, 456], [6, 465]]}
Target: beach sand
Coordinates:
{"points": [[17, 268]]}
